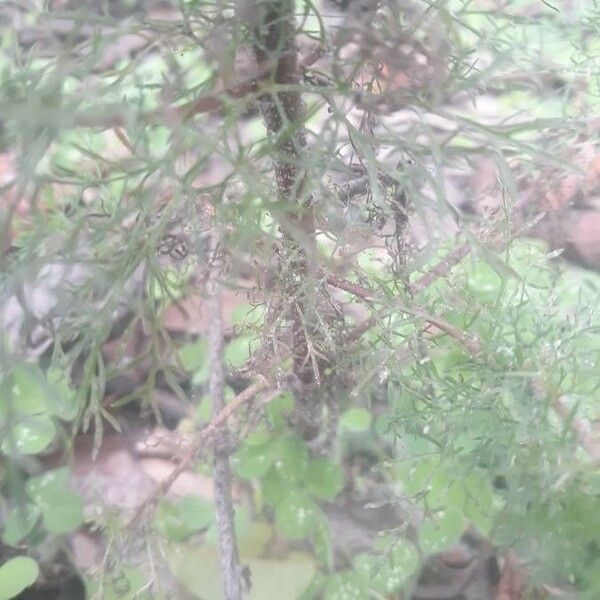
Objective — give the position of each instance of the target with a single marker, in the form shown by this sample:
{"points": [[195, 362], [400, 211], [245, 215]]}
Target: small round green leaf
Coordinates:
{"points": [[17, 574], [253, 542], [296, 515], [63, 512], [441, 531], [56, 479], [29, 436], [27, 390], [404, 560], [438, 485], [180, 519], [479, 505], [278, 408], [386, 574], [62, 509], [416, 478], [238, 350], [274, 487], [356, 419], [252, 461], [324, 479], [291, 459], [19, 523], [258, 437], [345, 586], [193, 356]]}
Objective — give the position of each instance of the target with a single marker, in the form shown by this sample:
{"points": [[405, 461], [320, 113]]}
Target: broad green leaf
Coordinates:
{"points": [[274, 487], [179, 519], [197, 568], [29, 436], [31, 394], [456, 496], [438, 485], [386, 574], [278, 408], [315, 588], [291, 575], [441, 531], [55, 479], [193, 356], [291, 458], [322, 541], [415, 478], [62, 509], [28, 394], [237, 351], [324, 479], [296, 515], [252, 461], [247, 314], [404, 560], [198, 512], [356, 419], [479, 505], [258, 437], [19, 523], [253, 541], [345, 586], [479, 491], [17, 574]]}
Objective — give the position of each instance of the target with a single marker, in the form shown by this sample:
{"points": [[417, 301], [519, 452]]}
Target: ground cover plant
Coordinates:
{"points": [[299, 300]]}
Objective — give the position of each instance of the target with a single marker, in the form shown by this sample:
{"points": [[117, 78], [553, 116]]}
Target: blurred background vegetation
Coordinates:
{"points": [[445, 294]]}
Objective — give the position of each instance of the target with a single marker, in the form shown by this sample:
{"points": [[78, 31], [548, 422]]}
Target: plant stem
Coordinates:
{"points": [[284, 115], [231, 571]]}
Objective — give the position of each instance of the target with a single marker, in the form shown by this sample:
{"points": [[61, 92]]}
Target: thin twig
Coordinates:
{"points": [[229, 558], [203, 438], [584, 438], [582, 433], [442, 268], [470, 342], [462, 250], [174, 115]]}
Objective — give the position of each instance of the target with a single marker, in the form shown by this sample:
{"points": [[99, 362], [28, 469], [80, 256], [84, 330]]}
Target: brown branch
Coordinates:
{"points": [[442, 268], [359, 330], [284, 116], [352, 288], [470, 342], [202, 438], [173, 115], [462, 250], [582, 433]]}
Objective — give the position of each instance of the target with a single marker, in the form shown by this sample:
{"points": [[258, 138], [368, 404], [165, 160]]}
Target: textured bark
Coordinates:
{"points": [[283, 112], [231, 571]]}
